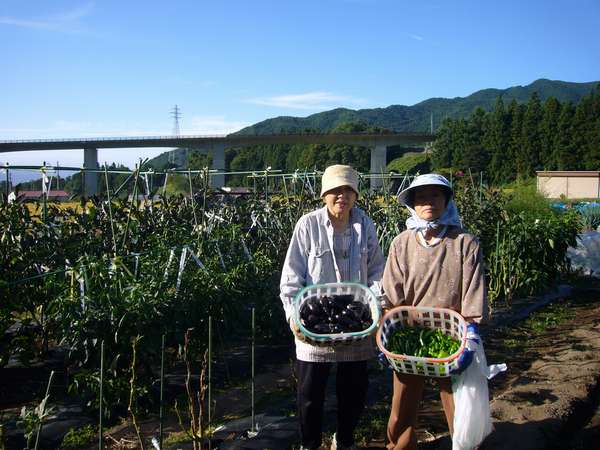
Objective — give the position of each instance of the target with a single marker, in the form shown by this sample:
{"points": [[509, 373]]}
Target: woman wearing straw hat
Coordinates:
{"points": [[434, 263], [335, 243]]}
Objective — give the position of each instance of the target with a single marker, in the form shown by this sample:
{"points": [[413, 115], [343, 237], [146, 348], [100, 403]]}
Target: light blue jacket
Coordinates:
{"points": [[310, 260]]}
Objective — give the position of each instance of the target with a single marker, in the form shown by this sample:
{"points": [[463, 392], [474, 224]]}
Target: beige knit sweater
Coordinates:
{"points": [[446, 275]]}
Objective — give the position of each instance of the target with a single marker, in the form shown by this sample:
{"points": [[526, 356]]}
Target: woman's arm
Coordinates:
{"points": [[293, 273], [393, 279], [474, 305], [375, 259]]}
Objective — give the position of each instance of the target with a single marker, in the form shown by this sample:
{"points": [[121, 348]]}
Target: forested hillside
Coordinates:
{"points": [[514, 140]]}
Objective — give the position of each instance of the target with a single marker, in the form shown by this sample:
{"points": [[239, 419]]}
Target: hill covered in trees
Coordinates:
{"points": [[418, 117]]}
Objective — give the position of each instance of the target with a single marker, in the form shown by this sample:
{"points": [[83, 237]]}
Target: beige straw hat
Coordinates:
{"points": [[339, 175]]}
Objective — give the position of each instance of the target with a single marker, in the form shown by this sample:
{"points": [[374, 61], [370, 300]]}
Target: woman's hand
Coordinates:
{"points": [[303, 338], [297, 331], [473, 341]]}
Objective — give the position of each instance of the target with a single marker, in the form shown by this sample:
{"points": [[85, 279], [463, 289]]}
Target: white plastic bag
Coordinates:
{"points": [[472, 419]]}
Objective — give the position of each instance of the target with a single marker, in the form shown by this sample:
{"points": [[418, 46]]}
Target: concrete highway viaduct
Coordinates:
{"points": [[216, 145]]}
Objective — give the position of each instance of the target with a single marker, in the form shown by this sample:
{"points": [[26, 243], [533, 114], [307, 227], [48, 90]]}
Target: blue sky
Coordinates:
{"points": [[73, 68]]}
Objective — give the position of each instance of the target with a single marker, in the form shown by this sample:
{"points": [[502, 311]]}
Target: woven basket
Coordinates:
{"points": [[448, 321], [361, 294]]}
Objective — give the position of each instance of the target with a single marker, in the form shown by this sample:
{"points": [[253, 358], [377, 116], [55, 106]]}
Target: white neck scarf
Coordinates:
{"points": [[448, 217]]}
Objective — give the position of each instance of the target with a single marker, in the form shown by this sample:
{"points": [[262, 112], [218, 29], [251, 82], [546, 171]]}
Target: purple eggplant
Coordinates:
{"points": [[335, 314]]}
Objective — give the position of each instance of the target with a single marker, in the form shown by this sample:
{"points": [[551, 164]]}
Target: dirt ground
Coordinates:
{"points": [[551, 389], [547, 399]]}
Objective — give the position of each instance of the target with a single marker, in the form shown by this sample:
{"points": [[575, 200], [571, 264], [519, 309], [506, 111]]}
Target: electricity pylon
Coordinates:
{"points": [[176, 114]]}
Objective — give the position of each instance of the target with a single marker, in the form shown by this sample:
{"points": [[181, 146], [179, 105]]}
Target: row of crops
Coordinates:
{"points": [[121, 272]]}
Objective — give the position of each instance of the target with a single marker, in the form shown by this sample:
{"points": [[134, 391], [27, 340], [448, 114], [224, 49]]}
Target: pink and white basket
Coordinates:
{"points": [[448, 321]]}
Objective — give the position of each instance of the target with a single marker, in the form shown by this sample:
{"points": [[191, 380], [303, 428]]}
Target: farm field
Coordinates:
{"points": [[92, 292], [548, 399]]}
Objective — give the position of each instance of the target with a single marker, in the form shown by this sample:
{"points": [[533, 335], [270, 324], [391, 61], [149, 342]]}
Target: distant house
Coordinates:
{"points": [[573, 185], [55, 196]]}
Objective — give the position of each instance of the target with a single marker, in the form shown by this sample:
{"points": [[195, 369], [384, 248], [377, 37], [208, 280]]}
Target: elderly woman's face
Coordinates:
{"points": [[340, 200], [429, 202]]}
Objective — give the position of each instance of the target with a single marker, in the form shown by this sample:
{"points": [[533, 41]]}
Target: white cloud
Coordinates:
{"points": [[311, 100], [67, 21], [416, 37]]}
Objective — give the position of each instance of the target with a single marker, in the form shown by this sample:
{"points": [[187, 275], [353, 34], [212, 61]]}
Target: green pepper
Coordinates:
{"points": [[422, 342]]}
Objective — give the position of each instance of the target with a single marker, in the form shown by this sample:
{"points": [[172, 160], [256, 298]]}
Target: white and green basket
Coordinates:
{"points": [[360, 293], [448, 321]]}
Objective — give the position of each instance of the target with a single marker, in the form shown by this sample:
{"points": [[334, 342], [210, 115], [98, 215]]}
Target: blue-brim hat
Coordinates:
{"points": [[429, 179]]}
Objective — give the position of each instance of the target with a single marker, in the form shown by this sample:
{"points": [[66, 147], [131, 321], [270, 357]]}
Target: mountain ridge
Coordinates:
{"points": [[403, 118]]}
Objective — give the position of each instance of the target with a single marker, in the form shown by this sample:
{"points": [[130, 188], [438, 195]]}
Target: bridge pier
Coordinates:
{"points": [[218, 163], [90, 161], [378, 164]]}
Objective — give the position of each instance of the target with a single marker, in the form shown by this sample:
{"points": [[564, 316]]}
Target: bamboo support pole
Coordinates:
{"points": [[162, 389], [101, 400], [253, 426], [209, 381], [39, 428]]}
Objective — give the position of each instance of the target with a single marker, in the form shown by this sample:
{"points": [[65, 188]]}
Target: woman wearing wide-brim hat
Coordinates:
{"points": [[335, 243], [436, 264]]}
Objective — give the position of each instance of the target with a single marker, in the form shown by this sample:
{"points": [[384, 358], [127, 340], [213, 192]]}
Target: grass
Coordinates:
{"points": [[179, 437], [410, 162], [373, 423], [78, 438], [539, 322], [523, 196], [548, 318], [512, 343]]}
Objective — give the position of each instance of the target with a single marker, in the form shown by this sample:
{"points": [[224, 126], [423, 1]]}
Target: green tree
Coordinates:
{"points": [[116, 180], [459, 142], [563, 152], [581, 129], [198, 160], [475, 154], [528, 156], [549, 133], [515, 114], [592, 157], [592, 154], [496, 139], [444, 146]]}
